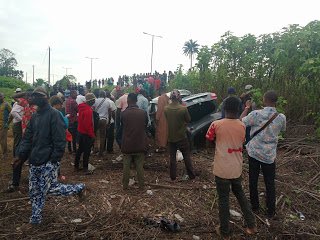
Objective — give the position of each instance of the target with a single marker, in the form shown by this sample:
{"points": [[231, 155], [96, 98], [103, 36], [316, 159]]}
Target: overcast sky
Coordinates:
{"points": [[113, 31]]}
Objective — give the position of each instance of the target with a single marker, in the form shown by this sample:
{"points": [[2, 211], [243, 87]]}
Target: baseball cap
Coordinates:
{"points": [[18, 90], [248, 87], [231, 90]]}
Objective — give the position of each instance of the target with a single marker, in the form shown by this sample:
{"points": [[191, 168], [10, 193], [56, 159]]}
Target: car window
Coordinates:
{"points": [[201, 109]]}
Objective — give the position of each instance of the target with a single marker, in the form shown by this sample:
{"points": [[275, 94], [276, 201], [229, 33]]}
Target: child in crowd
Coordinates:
{"points": [[227, 168]]}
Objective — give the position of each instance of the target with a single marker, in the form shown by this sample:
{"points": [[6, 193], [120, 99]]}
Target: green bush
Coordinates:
{"points": [[13, 83]]}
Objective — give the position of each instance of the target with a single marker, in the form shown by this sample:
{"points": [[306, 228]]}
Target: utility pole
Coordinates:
{"points": [[153, 36], [49, 68], [53, 77], [26, 77], [66, 68], [91, 58], [33, 75]]}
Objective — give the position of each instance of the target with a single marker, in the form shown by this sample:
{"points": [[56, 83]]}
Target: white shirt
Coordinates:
{"points": [[17, 113], [102, 106], [80, 99]]}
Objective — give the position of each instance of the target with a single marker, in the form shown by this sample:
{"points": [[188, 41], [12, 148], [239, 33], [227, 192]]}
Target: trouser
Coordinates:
{"points": [[102, 130], [3, 140], [184, 147], [85, 144], [119, 136], [43, 181], [137, 159], [16, 174], [223, 190], [110, 136], [17, 135], [73, 129], [269, 172]]}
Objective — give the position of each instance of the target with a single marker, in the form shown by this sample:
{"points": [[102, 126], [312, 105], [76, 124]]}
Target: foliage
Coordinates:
{"points": [[190, 48], [13, 83], [8, 64], [286, 61], [65, 81], [40, 82]]}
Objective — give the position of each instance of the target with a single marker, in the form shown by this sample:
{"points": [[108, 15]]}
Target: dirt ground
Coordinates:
{"points": [[108, 212]]}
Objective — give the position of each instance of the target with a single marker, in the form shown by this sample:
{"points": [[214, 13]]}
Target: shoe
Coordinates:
{"points": [[82, 194], [12, 189], [251, 231], [87, 172], [217, 228]]}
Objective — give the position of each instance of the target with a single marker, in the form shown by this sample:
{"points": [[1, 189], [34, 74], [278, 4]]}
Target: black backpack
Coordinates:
{"points": [[96, 119]]}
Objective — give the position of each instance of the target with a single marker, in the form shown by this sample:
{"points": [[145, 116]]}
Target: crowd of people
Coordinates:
{"points": [[86, 123]]}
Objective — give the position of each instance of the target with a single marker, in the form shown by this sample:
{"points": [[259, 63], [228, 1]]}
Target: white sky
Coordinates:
{"points": [[112, 31]]}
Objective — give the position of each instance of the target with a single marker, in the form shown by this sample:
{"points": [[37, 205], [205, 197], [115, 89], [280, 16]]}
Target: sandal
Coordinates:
{"points": [[160, 150]]}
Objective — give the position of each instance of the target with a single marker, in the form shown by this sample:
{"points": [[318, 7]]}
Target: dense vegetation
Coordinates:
{"points": [[287, 61]]}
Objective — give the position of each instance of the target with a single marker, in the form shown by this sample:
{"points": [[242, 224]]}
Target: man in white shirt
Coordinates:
{"points": [[102, 107]]}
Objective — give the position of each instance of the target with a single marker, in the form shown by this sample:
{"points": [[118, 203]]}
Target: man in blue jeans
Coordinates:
{"points": [[262, 149]]}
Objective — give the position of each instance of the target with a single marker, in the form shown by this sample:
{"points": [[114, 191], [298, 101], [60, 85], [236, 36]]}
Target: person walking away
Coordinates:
{"points": [[110, 130], [5, 110], [133, 123], [44, 141], [71, 113], [177, 118], [102, 107], [161, 122], [227, 166], [266, 124], [231, 93], [81, 96], [86, 132]]}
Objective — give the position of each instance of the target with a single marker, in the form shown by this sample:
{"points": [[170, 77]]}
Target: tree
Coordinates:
{"points": [[190, 48], [40, 83], [8, 64]]}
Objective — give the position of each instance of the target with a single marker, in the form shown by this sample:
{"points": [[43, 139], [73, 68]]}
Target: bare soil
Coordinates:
{"points": [[108, 212]]}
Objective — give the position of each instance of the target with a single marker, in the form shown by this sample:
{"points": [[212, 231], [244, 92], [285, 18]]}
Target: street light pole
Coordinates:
{"points": [[91, 58], [66, 68], [152, 35]]}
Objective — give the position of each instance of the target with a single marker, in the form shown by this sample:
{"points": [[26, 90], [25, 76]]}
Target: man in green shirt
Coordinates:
{"points": [[177, 118]]}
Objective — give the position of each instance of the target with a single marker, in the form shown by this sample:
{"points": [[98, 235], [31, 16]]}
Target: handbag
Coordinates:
{"points": [[264, 126]]}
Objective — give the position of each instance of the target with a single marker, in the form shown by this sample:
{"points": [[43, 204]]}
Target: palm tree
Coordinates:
{"points": [[189, 48]]}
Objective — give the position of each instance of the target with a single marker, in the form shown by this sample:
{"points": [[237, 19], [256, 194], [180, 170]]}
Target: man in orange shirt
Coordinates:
{"points": [[227, 168]]}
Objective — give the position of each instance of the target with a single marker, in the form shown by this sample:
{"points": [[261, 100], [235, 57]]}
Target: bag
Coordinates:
{"points": [[96, 119], [264, 126], [68, 136]]}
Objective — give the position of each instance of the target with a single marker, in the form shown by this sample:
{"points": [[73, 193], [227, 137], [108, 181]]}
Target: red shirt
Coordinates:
{"points": [[28, 110], [85, 120], [72, 109]]}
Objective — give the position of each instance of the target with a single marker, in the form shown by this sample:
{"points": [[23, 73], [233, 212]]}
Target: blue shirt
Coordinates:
{"points": [[263, 147], [143, 104]]}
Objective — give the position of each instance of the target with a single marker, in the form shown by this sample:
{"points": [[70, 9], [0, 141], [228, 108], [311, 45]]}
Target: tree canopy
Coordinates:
{"points": [[190, 48], [287, 61], [8, 64]]}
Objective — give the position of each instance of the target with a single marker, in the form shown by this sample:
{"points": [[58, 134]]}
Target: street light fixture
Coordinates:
{"points": [[91, 58], [66, 68], [153, 36]]}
